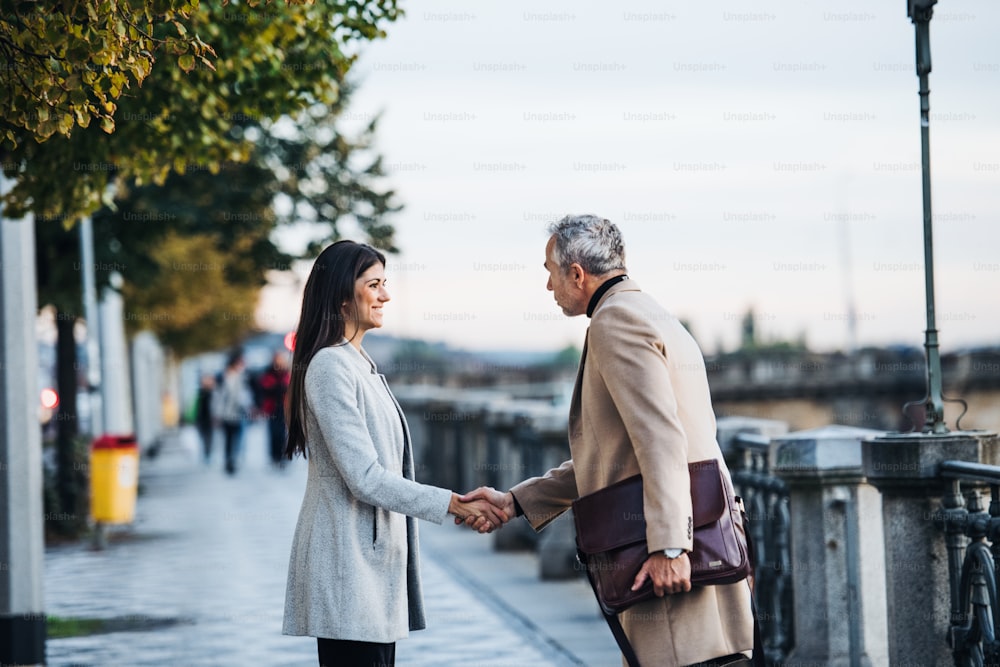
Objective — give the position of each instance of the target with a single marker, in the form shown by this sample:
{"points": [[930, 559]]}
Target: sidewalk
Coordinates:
{"points": [[200, 579]]}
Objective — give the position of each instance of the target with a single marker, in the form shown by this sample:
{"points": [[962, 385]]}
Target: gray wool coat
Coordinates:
{"points": [[354, 569]]}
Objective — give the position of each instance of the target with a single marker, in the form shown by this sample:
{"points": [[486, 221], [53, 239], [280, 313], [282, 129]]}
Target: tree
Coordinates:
{"points": [[192, 254], [568, 357], [87, 59], [271, 60], [58, 251], [195, 251], [66, 65], [327, 175]]}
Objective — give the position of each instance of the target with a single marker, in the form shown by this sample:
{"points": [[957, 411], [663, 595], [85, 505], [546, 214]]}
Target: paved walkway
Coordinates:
{"points": [[202, 572]]}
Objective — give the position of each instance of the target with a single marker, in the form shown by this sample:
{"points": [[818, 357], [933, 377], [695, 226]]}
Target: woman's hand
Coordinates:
{"points": [[503, 502], [478, 514]]}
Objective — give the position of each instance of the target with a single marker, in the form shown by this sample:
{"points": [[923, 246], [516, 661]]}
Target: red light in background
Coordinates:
{"points": [[50, 398], [290, 341]]}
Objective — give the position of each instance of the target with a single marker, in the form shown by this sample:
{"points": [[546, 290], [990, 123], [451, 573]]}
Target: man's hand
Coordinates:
{"points": [[478, 514], [503, 503], [669, 575]]}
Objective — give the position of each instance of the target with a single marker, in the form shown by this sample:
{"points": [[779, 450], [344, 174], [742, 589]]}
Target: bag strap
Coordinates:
{"points": [[623, 643], [758, 641], [616, 627]]}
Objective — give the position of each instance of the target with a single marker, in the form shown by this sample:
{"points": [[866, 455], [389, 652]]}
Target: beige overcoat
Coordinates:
{"points": [[641, 405]]}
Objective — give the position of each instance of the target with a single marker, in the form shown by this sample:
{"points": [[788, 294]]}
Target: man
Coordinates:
{"points": [[641, 405]]}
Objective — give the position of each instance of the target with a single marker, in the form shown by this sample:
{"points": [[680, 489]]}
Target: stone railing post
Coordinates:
{"points": [[904, 467], [508, 458], [557, 543], [837, 556], [727, 430]]}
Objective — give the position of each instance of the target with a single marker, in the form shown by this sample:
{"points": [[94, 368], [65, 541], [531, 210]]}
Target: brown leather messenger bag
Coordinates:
{"points": [[611, 543]]}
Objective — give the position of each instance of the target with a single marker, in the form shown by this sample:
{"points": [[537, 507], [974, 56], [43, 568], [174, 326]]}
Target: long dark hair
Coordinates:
{"points": [[321, 324]]}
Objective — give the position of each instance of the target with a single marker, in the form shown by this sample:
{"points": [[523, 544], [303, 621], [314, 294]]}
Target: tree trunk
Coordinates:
{"points": [[67, 424]]}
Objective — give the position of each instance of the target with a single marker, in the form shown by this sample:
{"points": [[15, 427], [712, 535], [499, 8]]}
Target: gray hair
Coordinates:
{"points": [[592, 242]]}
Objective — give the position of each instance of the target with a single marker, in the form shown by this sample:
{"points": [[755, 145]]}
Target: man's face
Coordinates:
{"points": [[562, 283]]}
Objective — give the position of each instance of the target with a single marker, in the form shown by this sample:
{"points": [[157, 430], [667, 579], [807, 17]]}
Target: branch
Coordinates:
{"points": [[32, 54]]}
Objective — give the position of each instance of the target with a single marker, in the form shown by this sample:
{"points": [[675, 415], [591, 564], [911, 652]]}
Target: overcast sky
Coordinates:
{"points": [[761, 155]]}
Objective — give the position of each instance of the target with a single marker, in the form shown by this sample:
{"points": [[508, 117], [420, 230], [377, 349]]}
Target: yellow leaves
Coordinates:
{"points": [[70, 55], [143, 66], [191, 294], [208, 64], [270, 61], [117, 81], [160, 174], [66, 121], [45, 129], [82, 117]]}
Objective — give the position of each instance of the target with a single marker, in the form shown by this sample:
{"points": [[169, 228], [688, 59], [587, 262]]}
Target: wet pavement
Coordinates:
{"points": [[199, 579]]}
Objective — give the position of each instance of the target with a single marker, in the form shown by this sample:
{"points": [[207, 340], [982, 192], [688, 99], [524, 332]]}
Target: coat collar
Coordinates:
{"points": [[359, 357], [629, 285]]}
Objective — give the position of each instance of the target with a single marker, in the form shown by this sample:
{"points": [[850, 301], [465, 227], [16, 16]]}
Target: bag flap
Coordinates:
{"points": [[708, 497], [613, 517]]}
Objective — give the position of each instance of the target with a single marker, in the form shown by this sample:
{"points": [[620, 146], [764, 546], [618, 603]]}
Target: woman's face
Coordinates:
{"points": [[370, 295]]}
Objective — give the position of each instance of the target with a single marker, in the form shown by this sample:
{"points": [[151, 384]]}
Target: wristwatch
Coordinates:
{"points": [[672, 553]]}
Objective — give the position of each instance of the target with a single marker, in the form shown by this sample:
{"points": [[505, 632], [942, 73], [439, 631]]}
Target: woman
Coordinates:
{"points": [[353, 575]]}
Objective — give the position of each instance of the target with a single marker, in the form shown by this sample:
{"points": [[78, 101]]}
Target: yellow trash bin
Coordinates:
{"points": [[114, 478]]}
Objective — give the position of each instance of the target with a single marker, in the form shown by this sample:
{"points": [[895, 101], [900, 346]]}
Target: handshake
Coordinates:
{"points": [[483, 510]]}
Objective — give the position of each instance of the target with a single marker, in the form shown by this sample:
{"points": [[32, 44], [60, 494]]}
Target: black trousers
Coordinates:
{"points": [[276, 429], [346, 653], [232, 433]]}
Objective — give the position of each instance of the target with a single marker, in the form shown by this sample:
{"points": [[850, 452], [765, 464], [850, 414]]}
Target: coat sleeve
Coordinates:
{"points": [[629, 354], [545, 498], [332, 394]]}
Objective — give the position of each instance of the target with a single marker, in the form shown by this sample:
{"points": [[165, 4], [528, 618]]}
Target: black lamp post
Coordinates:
{"points": [[920, 12]]}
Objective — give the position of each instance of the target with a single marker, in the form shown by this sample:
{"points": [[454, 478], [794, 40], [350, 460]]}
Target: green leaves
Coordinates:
{"points": [[175, 97], [172, 90], [75, 59]]}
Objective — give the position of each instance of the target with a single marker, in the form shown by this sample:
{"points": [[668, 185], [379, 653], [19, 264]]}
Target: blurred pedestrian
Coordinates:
{"points": [[272, 386], [204, 419], [233, 403], [354, 573]]}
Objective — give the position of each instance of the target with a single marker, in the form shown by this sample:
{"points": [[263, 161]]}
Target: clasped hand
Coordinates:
{"points": [[483, 510], [669, 575]]}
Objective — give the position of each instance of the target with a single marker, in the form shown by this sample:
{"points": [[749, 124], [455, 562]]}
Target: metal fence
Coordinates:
{"points": [[972, 537], [765, 498]]}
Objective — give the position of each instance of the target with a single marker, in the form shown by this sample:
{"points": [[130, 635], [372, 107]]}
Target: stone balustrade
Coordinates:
{"points": [[852, 560]]}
